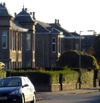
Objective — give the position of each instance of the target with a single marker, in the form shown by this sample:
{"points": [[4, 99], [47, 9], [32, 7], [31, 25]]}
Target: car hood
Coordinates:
{"points": [[6, 90]]}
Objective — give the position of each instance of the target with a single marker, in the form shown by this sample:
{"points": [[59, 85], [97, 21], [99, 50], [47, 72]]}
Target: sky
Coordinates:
{"points": [[73, 15]]}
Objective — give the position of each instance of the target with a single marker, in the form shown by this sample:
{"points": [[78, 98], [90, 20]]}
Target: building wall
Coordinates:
{"points": [[44, 55], [4, 53]]}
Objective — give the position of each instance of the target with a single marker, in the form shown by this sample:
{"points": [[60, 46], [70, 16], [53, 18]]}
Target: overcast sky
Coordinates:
{"points": [[74, 15]]}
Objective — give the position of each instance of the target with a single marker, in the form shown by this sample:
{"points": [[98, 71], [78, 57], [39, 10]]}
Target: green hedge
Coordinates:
{"points": [[98, 76], [87, 76], [2, 73], [47, 77], [68, 76]]}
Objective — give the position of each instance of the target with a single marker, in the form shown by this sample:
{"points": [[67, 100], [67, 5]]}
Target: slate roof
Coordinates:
{"points": [[3, 11], [24, 17], [17, 26], [56, 31], [45, 27], [41, 27], [65, 32]]}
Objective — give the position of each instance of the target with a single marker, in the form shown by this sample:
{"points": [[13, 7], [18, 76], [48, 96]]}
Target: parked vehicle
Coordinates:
{"points": [[17, 89]]}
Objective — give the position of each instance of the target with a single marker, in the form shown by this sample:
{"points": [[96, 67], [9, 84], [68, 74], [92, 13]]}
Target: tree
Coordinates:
{"points": [[71, 59]]}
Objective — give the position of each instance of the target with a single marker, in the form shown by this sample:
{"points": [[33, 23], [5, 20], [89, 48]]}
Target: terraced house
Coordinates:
{"points": [[28, 42], [51, 41]]}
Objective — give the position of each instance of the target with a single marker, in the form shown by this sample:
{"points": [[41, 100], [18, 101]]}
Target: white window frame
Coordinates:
{"points": [[54, 45], [28, 41], [4, 34]]}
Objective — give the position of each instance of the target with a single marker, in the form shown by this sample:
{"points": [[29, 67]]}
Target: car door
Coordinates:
{"points": [[30, 89], [26, 89]]}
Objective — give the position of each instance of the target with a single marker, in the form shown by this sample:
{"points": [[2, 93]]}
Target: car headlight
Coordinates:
{"points": [[14, 92]]}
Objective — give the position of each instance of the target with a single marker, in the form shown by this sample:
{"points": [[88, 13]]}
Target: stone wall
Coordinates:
{"points": [[47, 87], [62, 87]]}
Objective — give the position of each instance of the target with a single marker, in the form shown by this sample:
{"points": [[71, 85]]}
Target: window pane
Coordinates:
{"points": [[4, 44], [53, 40], [4, 39], [53, 47], [28, 41], [53, 44]]}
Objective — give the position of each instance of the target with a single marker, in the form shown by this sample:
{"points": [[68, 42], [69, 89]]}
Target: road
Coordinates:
{"points": [[69, 98]]}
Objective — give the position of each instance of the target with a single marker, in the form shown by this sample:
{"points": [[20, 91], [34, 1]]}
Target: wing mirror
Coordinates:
{"points": [[26, 85]]}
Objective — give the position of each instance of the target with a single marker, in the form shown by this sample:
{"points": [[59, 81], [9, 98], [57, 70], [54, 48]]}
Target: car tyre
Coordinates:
{"points": [[23, 99]]}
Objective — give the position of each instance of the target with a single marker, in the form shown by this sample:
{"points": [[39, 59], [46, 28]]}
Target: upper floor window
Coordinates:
{"points": [[53, 45], [4, 39], [28, 41]]}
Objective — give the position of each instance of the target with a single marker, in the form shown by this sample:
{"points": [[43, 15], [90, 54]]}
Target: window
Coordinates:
{"points": [[54, 45], [4, 39], [14, 40], [28, 41], [76, 46]]}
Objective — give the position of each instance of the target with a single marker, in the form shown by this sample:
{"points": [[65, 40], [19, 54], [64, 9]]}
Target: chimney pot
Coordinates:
{"points": [[30, 13], [26, 9], [15, 14]]}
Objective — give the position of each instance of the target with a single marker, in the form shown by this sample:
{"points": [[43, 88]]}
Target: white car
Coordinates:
{"points": [[17, 89]]}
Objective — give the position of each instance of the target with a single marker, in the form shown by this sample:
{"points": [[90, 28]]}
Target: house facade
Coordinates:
{"points": [[17, 47], [28, 42], [51, 41]]}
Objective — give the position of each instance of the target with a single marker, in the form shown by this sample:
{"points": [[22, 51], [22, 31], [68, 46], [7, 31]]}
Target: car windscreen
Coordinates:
{"points": [[10, 82]]}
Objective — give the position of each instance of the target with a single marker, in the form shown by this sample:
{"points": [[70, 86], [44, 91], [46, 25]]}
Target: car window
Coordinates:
{"points": [[29, 81], [24, 81], [9, 82]]}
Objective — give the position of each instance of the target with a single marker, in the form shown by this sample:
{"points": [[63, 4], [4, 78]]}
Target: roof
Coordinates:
{"points": [[3, 11], [65, 32], [41, 27], [17, 26], [45, 28], [24, 17]]}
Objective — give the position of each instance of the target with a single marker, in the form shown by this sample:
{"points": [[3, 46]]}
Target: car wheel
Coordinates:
{"points": [[23, 99], [34, 99]]}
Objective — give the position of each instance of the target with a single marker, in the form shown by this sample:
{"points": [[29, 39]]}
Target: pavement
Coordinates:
{"points": [[43, 95]]}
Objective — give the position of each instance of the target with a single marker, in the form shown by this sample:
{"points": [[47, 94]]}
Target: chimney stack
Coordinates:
{"points": [[33, 15], [55, 21], [4, 4]]}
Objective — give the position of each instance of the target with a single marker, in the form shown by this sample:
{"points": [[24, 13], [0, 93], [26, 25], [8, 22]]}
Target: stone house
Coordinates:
{"points": [[28, 42], [51, 41], [17, 39]]}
